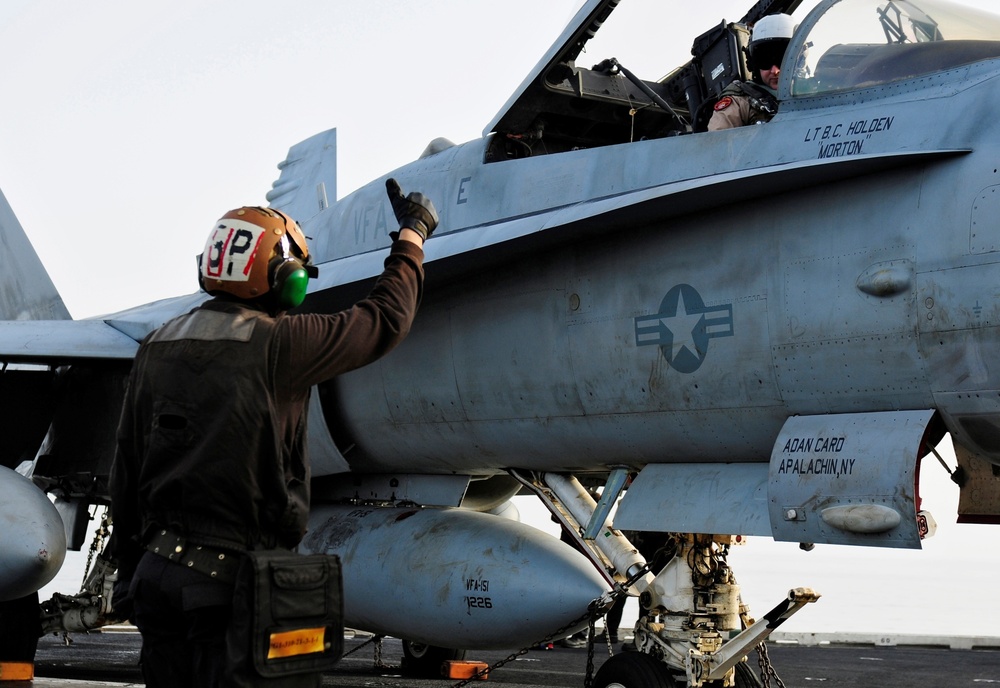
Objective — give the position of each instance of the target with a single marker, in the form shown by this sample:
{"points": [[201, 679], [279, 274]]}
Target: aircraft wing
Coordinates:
{"points": [[63, 341], [110, 338]]}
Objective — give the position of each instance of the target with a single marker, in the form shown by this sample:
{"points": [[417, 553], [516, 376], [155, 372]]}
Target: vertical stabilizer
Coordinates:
{"points": [[308, 181], [26, 292]]}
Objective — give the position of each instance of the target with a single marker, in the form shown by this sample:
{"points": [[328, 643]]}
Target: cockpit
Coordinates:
{"points": [[840, 46], [857, 44]]}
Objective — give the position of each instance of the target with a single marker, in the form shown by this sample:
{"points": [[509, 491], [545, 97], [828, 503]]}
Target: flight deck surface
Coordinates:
{"points": [[111, 659]]}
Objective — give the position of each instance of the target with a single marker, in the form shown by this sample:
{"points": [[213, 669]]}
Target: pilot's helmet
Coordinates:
{"points": [[769, 41], [254, 252]]}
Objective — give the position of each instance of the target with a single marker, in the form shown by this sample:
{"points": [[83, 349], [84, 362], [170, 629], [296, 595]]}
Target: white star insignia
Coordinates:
{"points": [[682, 327]]}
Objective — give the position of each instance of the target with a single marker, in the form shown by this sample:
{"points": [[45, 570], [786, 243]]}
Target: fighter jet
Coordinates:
{"points": [[613, 316]]}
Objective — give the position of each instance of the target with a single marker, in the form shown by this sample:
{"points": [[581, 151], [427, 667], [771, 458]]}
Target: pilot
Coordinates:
{"points": [[211, 443], [756, 102]]}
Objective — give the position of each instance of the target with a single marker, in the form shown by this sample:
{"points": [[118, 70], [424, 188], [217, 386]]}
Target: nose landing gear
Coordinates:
{"points": [[694, 630]]}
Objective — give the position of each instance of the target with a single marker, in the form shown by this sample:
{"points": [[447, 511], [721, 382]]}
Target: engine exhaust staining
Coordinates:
{"points": [[815, 466]]}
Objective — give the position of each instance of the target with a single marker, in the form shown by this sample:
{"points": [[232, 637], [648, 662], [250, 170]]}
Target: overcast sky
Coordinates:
{"points": [[129, 127]]}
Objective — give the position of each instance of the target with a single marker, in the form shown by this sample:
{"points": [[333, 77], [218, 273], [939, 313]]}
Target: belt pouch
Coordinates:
{"points": [[287, 613]]}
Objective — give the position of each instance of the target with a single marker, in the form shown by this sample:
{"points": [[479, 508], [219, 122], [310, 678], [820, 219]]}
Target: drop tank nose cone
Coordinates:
{"points": [[32, 538], [453, 578]]}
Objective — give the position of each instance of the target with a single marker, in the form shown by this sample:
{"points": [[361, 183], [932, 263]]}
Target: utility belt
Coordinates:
{"points": [[222, 565], [290, 625]]}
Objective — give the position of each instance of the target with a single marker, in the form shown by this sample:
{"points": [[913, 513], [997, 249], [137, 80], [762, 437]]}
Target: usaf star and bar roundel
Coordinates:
{"points": [[683, 327]]}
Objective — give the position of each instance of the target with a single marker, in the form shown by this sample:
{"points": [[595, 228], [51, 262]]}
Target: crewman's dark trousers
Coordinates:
{"points": [[182, 616]]}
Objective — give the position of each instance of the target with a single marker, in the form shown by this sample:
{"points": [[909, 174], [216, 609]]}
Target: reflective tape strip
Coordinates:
{"points": [[302, 641]]}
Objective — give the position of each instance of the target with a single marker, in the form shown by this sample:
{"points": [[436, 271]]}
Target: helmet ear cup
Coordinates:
{"points": [[289, 282]]}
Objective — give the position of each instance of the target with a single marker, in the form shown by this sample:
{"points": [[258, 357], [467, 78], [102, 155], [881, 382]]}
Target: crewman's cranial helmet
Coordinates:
{"points": [[252, 252], [769, 41]]}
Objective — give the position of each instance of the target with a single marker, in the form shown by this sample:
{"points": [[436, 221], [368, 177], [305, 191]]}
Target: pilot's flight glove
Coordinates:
{"points": [[414, 212]]}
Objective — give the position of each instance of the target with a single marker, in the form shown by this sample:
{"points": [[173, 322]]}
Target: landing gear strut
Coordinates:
{"points": [[693, 608], [693, 629]]}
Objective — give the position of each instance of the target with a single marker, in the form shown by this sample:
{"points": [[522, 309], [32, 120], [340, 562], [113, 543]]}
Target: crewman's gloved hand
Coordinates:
{"points": [[414, 212]]}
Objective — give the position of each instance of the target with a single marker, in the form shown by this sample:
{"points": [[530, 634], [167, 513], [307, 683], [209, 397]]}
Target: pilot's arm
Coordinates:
{"points": [[729, 112]]}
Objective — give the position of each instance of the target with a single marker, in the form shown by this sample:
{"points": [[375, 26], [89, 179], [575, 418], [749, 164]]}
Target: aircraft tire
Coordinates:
{"points": [[746, 677], [425, 660], [633, 670]]}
